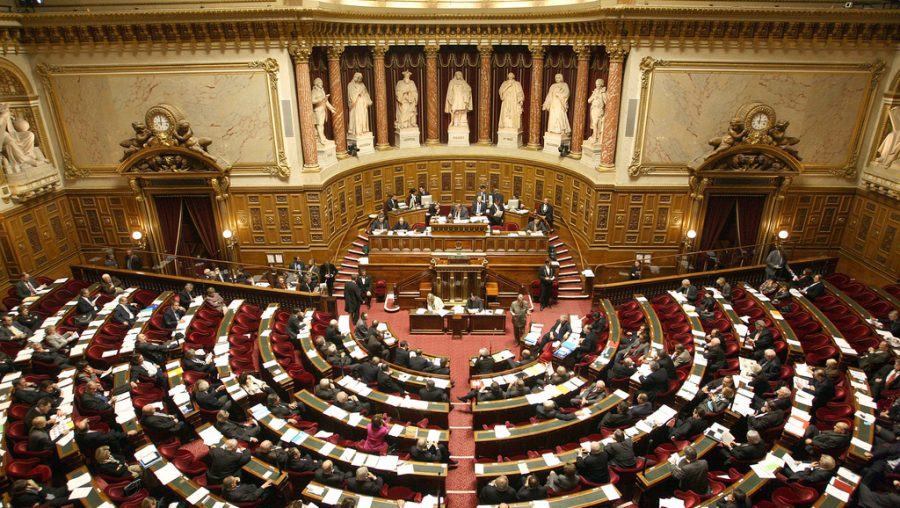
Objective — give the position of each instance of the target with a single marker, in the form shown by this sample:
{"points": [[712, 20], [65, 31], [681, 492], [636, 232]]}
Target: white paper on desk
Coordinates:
{"points": [[551, 459], [523, 467], [396, 430], [332, 497], [838, 493], [81, 492], [387, 462], [167, 473], [407, 468], [78, 481], [289, 435], [210, 435], [501, 431], [65, 439], [315, 490], [326, 448], [610, 492], [671, 502], [363, 502], [861, 444], [198, 495]]}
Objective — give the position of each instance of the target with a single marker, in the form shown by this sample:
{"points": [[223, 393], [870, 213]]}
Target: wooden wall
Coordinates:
{"points": [[870, 247], [815, 218], [104, 219], [38, 238]]}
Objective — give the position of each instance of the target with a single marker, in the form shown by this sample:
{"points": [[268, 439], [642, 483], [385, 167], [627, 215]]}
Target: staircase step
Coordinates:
{"points": [[360, 244], [563, 258], [357, 252], [570, 288], [566, 265], [554, 237], [352, 257], [565, 280], [562, 250], [574, 297], [362, 237], [568, 272]]}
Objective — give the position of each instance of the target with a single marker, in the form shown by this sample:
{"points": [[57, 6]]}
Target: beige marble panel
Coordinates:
{"points": [[687, 107], [232, 108]]}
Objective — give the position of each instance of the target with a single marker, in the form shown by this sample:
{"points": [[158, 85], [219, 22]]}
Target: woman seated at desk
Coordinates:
{"points": [[434, 303]]}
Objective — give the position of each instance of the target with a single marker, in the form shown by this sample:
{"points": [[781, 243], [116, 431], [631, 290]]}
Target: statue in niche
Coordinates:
{"points": [[736, 133], [184, 135], [597, 101], [557, 103], [407, 103], [359, 100], [321, 107], [889, 150], [459, 101], [511, 99], [17, 143]]}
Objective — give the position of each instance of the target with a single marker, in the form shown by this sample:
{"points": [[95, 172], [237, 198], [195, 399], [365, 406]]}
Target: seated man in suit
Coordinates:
{"points": [[474, 303], [485, 394], [715, 356], [194, 362], [88, 439], [484, 364], [656, 382], [212, 399], [328, 474], [239, 431], [386, 383], [689, 427], [45, 356], [459, 212], [417, 361], [817, 475], [110, 285], [39, 436], [760, 340], [226, 460], [559, 331], [621, 450], [236, 492], [124, 313], [424, 451], [401, 354], [617, 418], [497, 491], [752, 451], [25, 287], [622, 369], [886, 379], [144, 371], [351, 403], [891, 324], [495, 215], [10, 331], [822, 389], [769, 417], [549, 411], [27, 319], [814, 290], [594, 465], [568, 481], [156, 353], [93, 399], [771, 365], [380, 224], [325, 390], [56, 342], [163, 424], [688, 290], [401, 225], [536, 226], [186, 295], [86, 309], [835, 439], [590, 394], [642, 406], [588, 343], [173, 315], [691, 473], [26, 392], [430, 393], [479, 207], [365, 483]]}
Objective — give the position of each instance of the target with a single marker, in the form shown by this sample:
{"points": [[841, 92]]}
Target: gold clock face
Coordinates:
{"points": [[757, 116], [760, 121], [160, 123], [161, 119]]}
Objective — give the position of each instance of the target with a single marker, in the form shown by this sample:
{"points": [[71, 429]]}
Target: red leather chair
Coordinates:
{"points": [[20, 449], [29, 469], [795, 495], [690, 499]]}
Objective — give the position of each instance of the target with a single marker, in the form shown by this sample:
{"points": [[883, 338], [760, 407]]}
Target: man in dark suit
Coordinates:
{"points": [[593, 466], [401, 354], [482, 194], [401, 225], [44, 408], [479, 207], [94, 400], [209, 398], [559, 331], [186, 295], [715, 356], [689, 427], [333, 334], [196, 363], [391, 204], [133, 261], [156, 353], [88, 439], [474, 303], [666, 363], [459, 212], [691, 473], [85, 306], [236, 492], [365, 483], [769, 417], [386, 383], [495, 215], [124, 313], [535, 226], [814, 290], [688, 290], [173, 315], [295, 323], [25, 287], [431, 393], [164, 424], [226, 460], [656, 382], [886, 379], [622, 369], [368, 370], [12, 331], [234, 430], [761, 340], [771, 365], [545, 212], [26, 392], [364, 282], [822, 389], [891, 324], [590, 394], [328, 474], [39, 436], [751, 451], [496, 198], [352, 298], [484, 364], [547, 274], [497, 492], [549, 411], [418, 361], [621, 450], [588, 344], [835, 439], [380, 224], [327, 273], [423, 451]]}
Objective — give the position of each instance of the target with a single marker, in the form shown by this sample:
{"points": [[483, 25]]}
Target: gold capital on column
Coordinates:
{"points": [[432, 111], [381, 120], [535, 99], [300, 52], [336, 87], [617, 51], [484, 95]]}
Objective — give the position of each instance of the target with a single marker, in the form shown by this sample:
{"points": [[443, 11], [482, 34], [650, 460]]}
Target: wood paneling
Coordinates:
{"points": [[39, 238], [815, 218], [872, 239], [106, 219]]}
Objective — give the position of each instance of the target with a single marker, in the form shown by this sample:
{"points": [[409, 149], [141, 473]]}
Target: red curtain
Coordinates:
{"points": [[169, 210], [464, 59], [201, 212], [719, 213], [749, 210]]}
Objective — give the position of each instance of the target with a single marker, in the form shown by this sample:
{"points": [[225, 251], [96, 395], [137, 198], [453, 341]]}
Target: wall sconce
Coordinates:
{"points": [[139, 240], [228, 235], [783, 234], [689, 239]]}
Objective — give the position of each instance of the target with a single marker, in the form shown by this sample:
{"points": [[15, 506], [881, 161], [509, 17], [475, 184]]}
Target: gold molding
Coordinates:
{"points": [[847, 169], [270, 67]]}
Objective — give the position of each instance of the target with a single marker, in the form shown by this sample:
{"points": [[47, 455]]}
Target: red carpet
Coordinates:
{"points": [[461, 480]]}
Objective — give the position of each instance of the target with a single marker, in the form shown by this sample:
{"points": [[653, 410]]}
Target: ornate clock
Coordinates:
{"points": [[757, 118], [162, 119]]}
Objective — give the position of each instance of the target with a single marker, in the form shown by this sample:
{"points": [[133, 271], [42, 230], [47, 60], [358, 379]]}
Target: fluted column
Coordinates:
{"points": [[536, 98], [381, 117], [617, 52], [581, 85], [337, 100], [432, 108], [300, 55], [484, 95]]}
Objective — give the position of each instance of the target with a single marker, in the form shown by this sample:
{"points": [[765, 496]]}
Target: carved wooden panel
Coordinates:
{"points": [[41, 238], [816, 219], [104, 219], [872, 234]]}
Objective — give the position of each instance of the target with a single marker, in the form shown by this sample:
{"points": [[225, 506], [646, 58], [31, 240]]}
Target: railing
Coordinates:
{"points": [[620, 292], [663, 265], [160, 282]]}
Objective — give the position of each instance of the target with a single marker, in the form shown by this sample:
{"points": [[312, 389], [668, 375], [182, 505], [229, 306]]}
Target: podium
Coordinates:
{"points": [[456, 277]]}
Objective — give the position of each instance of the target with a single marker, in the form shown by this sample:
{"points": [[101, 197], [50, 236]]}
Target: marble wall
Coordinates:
{"points": [[229, 103], [689, 103]]}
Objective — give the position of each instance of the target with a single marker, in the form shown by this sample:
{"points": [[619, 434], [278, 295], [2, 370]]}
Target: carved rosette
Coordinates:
{"points": [[535, 100]]}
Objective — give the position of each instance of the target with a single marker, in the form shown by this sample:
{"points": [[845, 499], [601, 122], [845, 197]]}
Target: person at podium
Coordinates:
{"points": [[422, 193], [433, 210], [536, 226], [479, 207], [401, 225], [380, 224], [459, 212], [495, 214], [545, 212], [474, 303], [391, 204], [434, 303]]}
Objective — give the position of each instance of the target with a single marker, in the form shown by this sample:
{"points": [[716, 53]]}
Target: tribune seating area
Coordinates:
{"points": [[167, 400]]}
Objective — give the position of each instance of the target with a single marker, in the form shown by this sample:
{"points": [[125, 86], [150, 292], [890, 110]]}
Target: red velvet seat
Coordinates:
{"points": [[795, 495], [29, 469], [20, 449]]}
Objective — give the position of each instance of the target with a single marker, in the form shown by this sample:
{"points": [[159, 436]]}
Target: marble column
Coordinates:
{"points": [[381, 117], [432, 104], [300, 54], [336, 88], [484, 95], [581, 85], [536, 98], [617, 52]]}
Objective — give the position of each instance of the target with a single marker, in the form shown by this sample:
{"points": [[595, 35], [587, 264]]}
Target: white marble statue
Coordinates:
{"points": [[557, 103], [359, 101], [321, 107], [459, 101], [597, 102], [407, 103], [512, 97], [17, 143], [889, 151]]}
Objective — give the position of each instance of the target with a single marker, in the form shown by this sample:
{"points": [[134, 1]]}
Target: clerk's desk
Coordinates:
{"points": [[412, 215], [481, 323]]}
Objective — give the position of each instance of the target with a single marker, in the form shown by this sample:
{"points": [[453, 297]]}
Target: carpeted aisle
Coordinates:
{"points": [[461, 480]]}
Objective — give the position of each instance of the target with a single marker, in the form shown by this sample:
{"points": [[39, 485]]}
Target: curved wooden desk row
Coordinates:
{"points": [[257, 468], [432, 473], [857, 309], [103, 316], [521, 408], [795, 349], [657, 337], [526, 373], [273, 372], [612, 344], [847, 352], [354, 424], [738, 328], [329, 496], [43, 293], [484, 472], [691, 385], [661, 472], [501, 358], [546, 433], [864, 417], [406, 408], [749, 483]]}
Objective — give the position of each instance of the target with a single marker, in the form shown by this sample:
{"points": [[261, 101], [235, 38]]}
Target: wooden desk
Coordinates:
{"points": [[459, 229], [662, 471], [182, 486], [612, 343], [521, 408], [417, 250], [312, 360], [795, 349], [316, 492], [475, 324], [846, 353], [863, 431], [486, 324], [749, 484], [397, 406], [274, 373], [427, 323], [412, 216], [96, 498]]}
